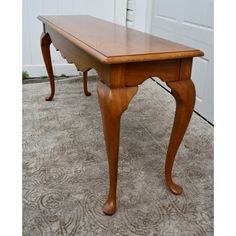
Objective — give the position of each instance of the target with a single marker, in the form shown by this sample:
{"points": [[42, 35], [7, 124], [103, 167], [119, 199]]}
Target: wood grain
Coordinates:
{"points": [[111, 43]]}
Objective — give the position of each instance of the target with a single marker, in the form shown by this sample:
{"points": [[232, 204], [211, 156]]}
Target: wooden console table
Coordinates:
{"points": [[123, 58]]}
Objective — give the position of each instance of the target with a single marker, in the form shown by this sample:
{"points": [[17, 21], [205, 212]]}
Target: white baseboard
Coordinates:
{"points": [[58, 69]]}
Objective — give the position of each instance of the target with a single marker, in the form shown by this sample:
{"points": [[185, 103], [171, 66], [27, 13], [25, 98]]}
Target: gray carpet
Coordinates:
{"points": [[65, 166]]}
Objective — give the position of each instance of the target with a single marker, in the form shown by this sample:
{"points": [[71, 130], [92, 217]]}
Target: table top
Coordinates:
{"points": [[112, 43]]}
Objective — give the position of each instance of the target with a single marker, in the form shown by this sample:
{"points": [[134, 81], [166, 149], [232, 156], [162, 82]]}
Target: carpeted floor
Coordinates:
{"points": [[65, 166]]}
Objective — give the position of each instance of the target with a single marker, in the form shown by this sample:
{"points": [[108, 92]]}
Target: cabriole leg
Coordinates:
{"points": [[45, 47], [184, 94], [113, 102], [85, 82]]}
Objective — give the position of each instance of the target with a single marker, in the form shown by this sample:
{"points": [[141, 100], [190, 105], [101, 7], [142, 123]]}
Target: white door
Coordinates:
{"points": [[190, 22]]}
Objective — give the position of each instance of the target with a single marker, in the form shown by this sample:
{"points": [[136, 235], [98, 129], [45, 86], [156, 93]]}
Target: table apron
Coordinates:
{"points": [[123, 74]]}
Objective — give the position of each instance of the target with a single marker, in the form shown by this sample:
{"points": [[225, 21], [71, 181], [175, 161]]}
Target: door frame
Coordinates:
{"points": [[120, 7], [149, 9]]}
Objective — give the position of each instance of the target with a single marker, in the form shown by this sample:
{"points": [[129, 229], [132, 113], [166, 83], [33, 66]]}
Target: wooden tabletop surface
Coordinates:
{"points": [[112, 43]]}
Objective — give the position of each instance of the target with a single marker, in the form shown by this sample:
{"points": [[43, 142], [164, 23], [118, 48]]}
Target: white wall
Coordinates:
{"points": [[111, 10]]}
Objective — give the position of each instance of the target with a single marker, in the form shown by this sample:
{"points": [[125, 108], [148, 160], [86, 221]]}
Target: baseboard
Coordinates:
{"points": [[67, 69]]}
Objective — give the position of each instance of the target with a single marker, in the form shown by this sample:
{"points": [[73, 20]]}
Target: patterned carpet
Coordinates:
{"points": [[65, 166]]}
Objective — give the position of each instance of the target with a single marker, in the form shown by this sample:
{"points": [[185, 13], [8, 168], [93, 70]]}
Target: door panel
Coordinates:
{"points": [[190, 22], [199, 13], [164, 11]]}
